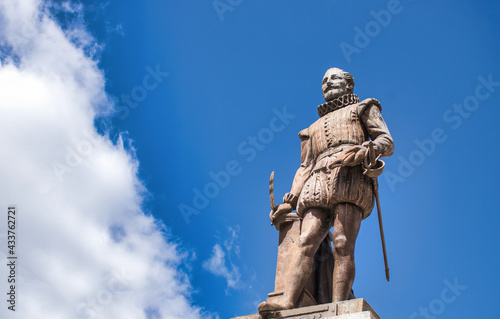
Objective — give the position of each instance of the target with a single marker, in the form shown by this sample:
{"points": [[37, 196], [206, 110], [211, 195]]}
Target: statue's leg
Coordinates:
{"points": [[345, 231], [315, 226]]}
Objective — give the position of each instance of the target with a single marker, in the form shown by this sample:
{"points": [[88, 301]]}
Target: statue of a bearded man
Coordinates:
{"points": [[334, 185]]}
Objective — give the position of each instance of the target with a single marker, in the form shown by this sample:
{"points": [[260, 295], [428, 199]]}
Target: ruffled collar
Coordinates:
{"points": [[338, 103]]}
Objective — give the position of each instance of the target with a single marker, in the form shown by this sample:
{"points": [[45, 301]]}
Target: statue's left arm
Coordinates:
{"points": [[370, 113]]}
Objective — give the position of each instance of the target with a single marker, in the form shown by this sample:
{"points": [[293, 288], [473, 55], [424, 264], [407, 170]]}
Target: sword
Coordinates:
{"points": [[271, 197], [271, 191], [373, 162]]}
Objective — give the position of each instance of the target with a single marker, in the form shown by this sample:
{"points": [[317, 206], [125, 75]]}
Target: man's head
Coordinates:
{"points": [[337, 82]]}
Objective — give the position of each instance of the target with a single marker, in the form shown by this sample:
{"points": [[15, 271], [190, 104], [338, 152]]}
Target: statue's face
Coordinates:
{"points": [[334, 85]]}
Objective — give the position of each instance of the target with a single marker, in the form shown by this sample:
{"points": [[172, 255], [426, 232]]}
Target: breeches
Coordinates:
{"points": [[326, 188]]}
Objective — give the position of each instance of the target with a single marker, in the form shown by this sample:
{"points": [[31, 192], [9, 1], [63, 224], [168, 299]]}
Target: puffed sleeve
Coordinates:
{"points": [[371, 115]]}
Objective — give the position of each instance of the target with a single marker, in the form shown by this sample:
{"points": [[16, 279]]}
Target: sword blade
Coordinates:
{"points": [[382, 236], [271, 191]]}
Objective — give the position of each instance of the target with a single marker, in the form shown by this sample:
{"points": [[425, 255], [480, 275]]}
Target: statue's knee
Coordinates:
{"points": [[307, 245], [340, 244]]}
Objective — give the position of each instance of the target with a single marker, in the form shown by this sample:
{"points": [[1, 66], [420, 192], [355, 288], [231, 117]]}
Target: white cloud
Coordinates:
{"points": [[85, 247], [217, 263], [230, 242]]}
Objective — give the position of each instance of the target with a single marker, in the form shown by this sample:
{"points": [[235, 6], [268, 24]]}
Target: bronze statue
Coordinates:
{"points": [[335, 185]]}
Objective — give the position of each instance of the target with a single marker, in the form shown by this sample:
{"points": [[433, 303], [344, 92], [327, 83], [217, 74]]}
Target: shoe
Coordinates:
{"points": [[270, 306]]}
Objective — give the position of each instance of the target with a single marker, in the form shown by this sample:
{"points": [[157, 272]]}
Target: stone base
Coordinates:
{"points": [[349, 309]]}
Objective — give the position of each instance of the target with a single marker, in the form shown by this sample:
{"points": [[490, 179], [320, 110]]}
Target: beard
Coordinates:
{"points": [[334, 93]]}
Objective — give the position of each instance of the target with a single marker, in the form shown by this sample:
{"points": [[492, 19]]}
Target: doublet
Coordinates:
{"points": [[315, 184]]}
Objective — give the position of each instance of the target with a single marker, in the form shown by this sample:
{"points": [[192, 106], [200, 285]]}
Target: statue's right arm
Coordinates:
{"points": [[307, 163]]}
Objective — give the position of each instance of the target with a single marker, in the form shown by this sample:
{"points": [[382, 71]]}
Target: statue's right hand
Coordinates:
{"points": [[282, 209]]}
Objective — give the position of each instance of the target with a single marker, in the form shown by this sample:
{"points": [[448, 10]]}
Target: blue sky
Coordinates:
{"points": [[203, 85]]}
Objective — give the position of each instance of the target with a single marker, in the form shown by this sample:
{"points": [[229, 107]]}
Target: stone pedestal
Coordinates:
{"points": [[350, 309]]}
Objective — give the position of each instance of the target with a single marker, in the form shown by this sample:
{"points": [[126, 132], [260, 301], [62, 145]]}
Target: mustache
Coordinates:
{"points": [[330, 87]]}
